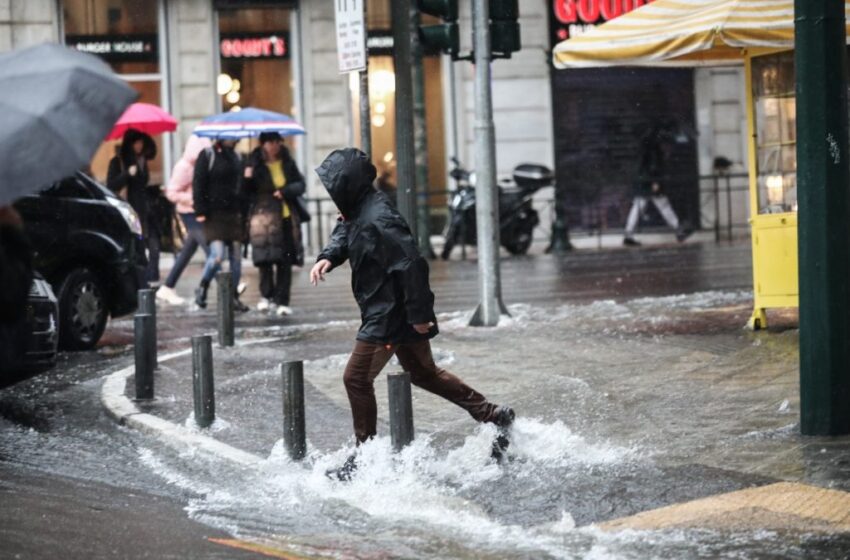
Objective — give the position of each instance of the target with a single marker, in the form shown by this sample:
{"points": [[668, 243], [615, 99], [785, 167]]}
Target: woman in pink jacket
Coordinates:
{"points": [[179, 191]]}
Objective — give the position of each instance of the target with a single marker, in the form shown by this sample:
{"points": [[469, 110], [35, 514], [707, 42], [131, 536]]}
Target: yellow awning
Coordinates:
{"points": [[683, 33]]}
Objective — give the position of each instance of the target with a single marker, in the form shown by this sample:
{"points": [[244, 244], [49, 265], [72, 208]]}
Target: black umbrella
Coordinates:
{"points": [[57, 106]]}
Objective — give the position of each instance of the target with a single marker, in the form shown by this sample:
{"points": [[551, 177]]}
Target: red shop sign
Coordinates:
{"points": [[255, 46], [593, 11]]}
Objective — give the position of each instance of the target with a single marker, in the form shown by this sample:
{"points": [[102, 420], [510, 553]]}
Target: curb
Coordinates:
{"points": [[125, 412]]}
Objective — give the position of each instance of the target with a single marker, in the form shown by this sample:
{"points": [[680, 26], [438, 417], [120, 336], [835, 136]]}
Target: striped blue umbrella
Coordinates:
{"points": [[247, 123]]}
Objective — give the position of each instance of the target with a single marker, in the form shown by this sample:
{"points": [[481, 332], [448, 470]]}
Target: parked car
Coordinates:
{"points": [[87, 244], [31, 344]]}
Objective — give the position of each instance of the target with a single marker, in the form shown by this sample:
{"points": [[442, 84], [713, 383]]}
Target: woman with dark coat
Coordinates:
{"points": [[273, 184], [128, 177], [216, 188]]}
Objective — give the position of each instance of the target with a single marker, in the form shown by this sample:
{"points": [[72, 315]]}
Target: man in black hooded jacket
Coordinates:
{"points": [[390, 282]]}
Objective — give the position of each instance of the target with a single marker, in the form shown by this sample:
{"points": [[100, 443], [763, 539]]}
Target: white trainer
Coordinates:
{"points": [[283, 310], [169, 296], [263, 304]]}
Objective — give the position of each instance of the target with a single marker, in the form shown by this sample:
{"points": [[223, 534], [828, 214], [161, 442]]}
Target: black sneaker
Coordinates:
{"points": [[344, 473], [683, 234], [503, 419], [631, 242], [201, 297]]}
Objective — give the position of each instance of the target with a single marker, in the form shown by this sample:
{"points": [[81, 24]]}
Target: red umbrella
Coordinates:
{"points": [[144, 117]]}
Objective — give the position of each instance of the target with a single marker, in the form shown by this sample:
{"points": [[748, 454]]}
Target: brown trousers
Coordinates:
{"points": [[368, 359]]}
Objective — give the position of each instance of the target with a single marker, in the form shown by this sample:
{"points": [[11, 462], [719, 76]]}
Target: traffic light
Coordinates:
{"points": [[504, 28], [443, 37]]}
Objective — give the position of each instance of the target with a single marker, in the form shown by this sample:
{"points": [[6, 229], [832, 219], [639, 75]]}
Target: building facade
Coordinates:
{"points": [[199, 57]]}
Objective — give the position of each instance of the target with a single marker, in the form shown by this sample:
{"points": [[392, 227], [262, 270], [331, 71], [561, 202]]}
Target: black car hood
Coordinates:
{"points": [[348, 175]]}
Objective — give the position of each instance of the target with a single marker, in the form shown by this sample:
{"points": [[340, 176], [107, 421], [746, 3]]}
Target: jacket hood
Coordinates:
{"points": [[194, 146], [129, 138], [347, 174]]}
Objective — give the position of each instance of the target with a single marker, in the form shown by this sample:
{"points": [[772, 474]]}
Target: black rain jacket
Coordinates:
{"points": [[389, 277]]}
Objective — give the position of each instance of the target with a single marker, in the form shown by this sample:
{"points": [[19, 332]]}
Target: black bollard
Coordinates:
{"points": [[294, 431], [143, 333], [224, 281], [202, 380], [147, 305], [401, 409]]}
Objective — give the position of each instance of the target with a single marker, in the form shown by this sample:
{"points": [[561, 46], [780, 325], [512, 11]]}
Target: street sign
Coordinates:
{"points": [[350, 35]]}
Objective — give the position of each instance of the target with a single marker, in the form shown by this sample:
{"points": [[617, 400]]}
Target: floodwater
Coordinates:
{"points": [[626, 406]]}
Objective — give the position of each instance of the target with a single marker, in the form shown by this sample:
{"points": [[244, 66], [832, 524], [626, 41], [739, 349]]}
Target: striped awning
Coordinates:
{"points": [[683, 33]]}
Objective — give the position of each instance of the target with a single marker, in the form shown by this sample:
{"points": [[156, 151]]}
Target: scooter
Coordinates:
{"points": [[517, 217]]}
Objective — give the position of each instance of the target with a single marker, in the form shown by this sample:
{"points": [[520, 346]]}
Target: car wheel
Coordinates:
{"points": [[82, 310]]}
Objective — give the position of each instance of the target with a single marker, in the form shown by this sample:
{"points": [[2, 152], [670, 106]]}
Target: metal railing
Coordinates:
{"points": [[723, 209]]}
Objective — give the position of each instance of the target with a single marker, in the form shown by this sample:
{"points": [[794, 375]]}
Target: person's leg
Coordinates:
{"points": [[190, 246], [666, 209], [234, 254], [284, 283], [213, 263], [266, 280], [634, 216], [416, 358], [365, 363], [153, 243]]}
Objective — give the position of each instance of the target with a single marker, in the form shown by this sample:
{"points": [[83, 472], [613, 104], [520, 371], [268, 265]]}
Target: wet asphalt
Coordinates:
{"points": [[116, 493]]}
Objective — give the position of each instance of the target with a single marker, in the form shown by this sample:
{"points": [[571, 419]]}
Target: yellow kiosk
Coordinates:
{"points": [[721, 32]]}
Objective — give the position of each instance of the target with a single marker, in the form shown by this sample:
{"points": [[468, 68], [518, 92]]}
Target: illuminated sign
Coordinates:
{"points": [[574, 17], [116, 48], [255, 45]]}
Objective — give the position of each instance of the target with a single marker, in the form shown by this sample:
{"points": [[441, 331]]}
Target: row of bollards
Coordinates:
{"points": [[145, 336], [292, 375]]}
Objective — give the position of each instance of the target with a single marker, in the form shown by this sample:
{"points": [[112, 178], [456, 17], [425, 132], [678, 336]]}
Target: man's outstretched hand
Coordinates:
{"points": [[319, 270], [423, 328]]}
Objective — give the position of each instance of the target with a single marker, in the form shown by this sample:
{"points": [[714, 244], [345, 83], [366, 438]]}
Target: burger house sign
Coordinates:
{"points": [[574, 17]]}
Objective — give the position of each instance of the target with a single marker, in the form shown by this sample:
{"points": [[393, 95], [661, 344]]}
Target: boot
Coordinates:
{"points": [[503, 417], [345, 472], [238, 306], [201, 294]]}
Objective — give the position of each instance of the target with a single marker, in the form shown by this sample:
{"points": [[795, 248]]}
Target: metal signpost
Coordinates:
{"points": [[353, 57]]}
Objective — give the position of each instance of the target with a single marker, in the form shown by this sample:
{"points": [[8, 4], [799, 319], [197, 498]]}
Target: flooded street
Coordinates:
{"points": [[625, 404]]}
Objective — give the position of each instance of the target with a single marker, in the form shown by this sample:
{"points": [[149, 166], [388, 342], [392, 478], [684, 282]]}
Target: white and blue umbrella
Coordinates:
{"points": [[247, 123]]}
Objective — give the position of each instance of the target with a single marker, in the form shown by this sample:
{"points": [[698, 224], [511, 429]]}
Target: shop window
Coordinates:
{"points": [[125, 34], [776, 132]]}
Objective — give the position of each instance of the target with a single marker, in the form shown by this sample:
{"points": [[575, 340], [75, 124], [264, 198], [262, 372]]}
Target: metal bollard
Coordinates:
{"points": [[145, 360], [294, 431], [202, 380], [401, 409], [147, 305], [224, 281]]}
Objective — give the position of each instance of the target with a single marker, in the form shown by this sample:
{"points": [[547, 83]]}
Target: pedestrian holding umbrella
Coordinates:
{"points": [[59, 102]]}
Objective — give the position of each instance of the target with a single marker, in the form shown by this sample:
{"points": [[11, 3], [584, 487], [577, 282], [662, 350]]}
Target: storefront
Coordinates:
{"points": [[600, 116], [127, 35]]}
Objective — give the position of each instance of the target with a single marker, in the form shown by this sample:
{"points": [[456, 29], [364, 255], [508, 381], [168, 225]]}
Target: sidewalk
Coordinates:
{"points": [[625, 405]]}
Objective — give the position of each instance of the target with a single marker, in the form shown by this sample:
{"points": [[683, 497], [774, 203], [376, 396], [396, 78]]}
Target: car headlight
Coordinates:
{"points": [[127, 213]]}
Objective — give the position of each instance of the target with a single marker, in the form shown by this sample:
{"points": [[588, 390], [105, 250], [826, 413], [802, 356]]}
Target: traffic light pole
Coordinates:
{"points": [[823, 181], [420, 138], [490, 305], [405, 156]]}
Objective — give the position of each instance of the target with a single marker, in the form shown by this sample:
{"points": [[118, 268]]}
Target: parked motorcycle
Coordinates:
{"points": [[517, 217]]}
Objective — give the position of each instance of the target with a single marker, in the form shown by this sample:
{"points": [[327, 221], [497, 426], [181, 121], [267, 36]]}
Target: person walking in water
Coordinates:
{"points": [[389, 278], [216, 188], [649, 185], [179, 192], [273, 183]]}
